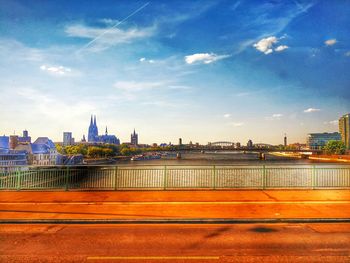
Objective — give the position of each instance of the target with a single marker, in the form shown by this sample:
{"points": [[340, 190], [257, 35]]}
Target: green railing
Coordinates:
{"points": [[173, 177]]}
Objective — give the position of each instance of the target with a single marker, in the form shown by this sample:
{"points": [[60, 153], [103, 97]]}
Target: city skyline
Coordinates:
{"points": [[198, 70]]}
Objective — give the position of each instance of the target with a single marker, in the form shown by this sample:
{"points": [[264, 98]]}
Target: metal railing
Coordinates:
{"points": [[173, 177]]}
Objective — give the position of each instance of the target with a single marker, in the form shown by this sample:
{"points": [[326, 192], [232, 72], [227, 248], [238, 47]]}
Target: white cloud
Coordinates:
{"points": [[205, 58], [334, 122], [275, 116], [151, 61], [266, 45], [309, 110], [106, 37], [330, 42], [227, 115], [179, 87], [138, 86], [58, 70], [281, 48], [52, 107]]}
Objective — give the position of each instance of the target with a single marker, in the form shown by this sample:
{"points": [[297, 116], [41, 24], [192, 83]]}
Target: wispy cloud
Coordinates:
{"points": [[138, 86], [275, 116], [107, 37], [334, 122], [56, 70], [330, 42], [309, 110], [205, 58], [235, 124], [227, 115], [52, 107]]}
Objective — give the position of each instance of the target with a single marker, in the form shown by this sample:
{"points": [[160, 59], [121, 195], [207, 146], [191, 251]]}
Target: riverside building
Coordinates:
{"points": [[344, 129], [316, 141]]}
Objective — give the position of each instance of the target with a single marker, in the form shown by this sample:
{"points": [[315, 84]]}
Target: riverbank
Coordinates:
{"points": [[331, 158]]}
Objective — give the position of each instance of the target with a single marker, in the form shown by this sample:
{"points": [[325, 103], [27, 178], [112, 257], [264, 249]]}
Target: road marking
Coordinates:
{"points": [[153, 257], [175, 203]]}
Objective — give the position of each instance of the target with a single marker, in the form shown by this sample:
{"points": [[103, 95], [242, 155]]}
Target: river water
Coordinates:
{"points": [[230, 158]]}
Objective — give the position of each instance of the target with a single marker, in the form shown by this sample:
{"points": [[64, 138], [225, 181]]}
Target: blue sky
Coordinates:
{"points": [[201, 70]]}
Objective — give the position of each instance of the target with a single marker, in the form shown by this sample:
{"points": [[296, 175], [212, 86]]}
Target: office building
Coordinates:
{"points": [[316, 141], [344, 129], [67, 139]]}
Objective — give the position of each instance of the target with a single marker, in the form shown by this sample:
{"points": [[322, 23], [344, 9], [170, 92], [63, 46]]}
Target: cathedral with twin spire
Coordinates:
{"points": [[93, 136]]}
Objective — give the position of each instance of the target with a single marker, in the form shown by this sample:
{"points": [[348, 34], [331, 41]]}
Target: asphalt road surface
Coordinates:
{"points": [[176, 243], [163, 205]]}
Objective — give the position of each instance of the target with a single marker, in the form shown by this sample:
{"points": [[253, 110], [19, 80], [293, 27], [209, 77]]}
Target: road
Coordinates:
{"points": [[176, 243], [163, 205]]}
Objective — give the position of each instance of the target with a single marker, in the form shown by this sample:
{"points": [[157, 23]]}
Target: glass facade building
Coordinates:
{"points": [[316, 141]]}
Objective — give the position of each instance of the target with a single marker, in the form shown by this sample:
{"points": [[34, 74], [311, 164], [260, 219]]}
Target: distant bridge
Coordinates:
{"points": [[241, 149], [222, 144]]}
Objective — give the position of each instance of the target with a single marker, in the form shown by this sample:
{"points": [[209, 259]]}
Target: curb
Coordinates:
{"points": [[177, 221]]}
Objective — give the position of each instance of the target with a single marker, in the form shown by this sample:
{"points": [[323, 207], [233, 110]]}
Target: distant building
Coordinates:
{"points": [[238, 145], [13, 141], [180, 141], [250, 144], [41, 152], [316, 141], [93, 136], [134, 138], [344, 129], [25, 138], [67, 139], [4, 143], [285, 140], [11, 159]]}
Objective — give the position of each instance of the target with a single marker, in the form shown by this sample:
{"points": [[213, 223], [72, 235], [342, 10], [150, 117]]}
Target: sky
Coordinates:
{"points": [[204, 71]]}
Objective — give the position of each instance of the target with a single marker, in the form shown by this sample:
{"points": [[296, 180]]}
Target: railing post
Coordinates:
{"points": [[66, 179], [18, 181], [115, 178], [313, 178], [165, 178], [264, 177], [214, 177]]}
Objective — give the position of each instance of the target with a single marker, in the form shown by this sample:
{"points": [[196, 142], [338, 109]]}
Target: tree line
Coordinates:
{"points": [[105, 150]]}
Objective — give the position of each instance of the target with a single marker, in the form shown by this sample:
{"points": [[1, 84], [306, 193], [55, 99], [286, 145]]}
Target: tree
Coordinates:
{"points": [[335, 147]]}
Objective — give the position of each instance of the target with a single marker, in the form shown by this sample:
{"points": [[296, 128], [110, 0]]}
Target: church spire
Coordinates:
{"points": [[91, 120], [106, 131], [95, 121]]}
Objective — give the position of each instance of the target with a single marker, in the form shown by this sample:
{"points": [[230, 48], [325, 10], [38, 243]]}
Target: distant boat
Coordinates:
{"points": [[143, 157]]}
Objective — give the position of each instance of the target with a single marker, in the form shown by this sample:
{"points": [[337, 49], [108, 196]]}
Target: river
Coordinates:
{"points": [[228, 158]]}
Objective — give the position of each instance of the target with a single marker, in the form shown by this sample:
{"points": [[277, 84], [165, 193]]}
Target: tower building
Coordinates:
{"points": [[134, 139], [344, 129]]}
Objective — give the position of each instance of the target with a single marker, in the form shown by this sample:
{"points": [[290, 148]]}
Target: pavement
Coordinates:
{"points": [[163, 226], [176, 243], [104, 206]]}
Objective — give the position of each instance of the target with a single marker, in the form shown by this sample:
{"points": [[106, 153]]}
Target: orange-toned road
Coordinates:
{"points": [[297, 243], [163, 205], [54, 240]]}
